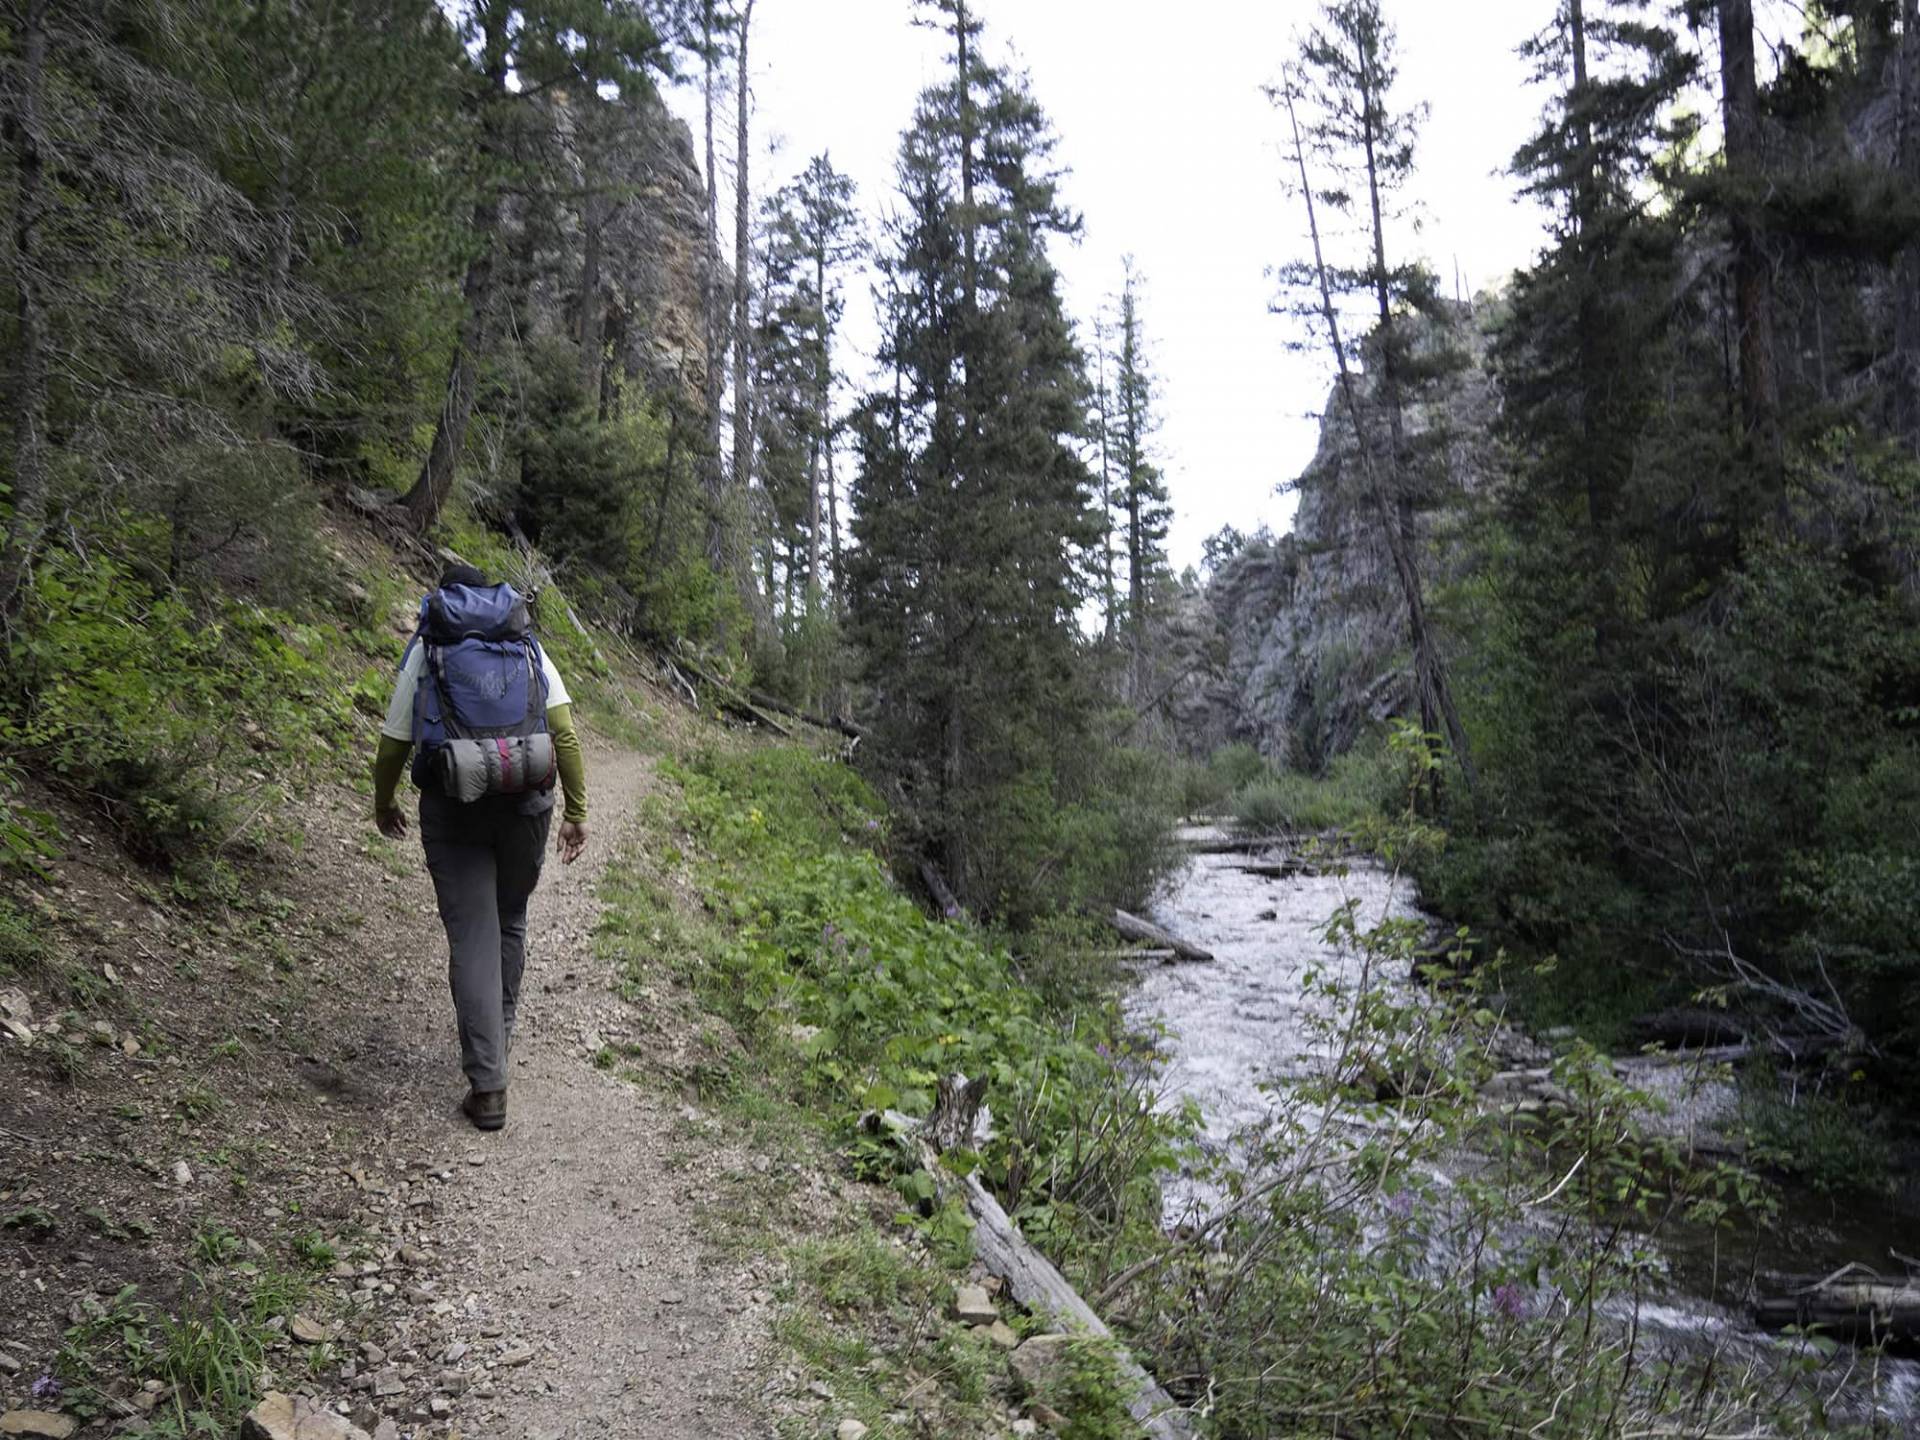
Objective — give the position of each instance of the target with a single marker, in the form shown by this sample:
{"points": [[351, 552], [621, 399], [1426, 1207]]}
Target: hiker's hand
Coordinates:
{"points": [[392, 822], [573, 839]]}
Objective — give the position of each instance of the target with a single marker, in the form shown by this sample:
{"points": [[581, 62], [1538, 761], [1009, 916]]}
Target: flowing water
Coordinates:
{"points": [[1250, 1018]]}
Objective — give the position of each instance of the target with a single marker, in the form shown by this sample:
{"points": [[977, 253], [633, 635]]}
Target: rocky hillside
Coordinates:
{"points": [[1308, 641]]}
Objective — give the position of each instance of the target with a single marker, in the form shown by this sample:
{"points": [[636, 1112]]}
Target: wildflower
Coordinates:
{"points": [[1512, 1301], [1401, 1204], [47, 1388]]}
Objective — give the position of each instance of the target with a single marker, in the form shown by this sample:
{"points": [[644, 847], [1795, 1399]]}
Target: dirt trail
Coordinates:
{"points": [[571, 1234]]}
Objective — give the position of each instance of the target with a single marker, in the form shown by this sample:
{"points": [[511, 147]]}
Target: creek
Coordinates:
{"points": [[1243, 1028]]}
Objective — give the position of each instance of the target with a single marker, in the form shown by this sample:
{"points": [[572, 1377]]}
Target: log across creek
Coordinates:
{"points": [[1852, 1304]]}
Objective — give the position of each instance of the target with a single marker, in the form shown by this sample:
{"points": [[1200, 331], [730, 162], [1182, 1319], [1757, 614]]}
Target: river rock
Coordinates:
{"points": [[43, 1423], [295, 1417]]}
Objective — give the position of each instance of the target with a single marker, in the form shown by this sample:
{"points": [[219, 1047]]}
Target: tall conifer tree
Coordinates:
{"points": [[972, 506]]}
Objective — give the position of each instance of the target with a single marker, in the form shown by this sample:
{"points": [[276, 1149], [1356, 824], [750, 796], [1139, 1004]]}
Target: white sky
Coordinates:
{"points": [[1173, 159]]}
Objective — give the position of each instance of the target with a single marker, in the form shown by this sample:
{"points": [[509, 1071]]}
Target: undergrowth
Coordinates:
{"points": [[1347, 1288]]}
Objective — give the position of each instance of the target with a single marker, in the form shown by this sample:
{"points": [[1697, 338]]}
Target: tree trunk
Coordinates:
{"points": [[1906, 274], [713, 474], [742, 268], [424, 501], [30, 358], [820, 437], [1752, 269], [1107, 584], [1132, 461], [1430, 676], [1600, 479], [592, 315], [969, 221], [833, 520]]}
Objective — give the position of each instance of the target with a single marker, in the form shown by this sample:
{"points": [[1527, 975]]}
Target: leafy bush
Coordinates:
{"points": [[150, 706], [822, 944], [1360, 789]]}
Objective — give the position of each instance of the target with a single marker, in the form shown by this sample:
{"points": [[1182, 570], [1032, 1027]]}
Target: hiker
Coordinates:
{"points": [[490, 725]]}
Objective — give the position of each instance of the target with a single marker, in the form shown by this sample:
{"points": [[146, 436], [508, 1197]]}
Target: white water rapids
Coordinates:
{"points": [[1246, 1020]]}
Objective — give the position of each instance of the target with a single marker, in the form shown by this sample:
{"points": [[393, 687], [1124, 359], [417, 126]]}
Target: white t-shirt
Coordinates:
{"points": [[399, 722]]}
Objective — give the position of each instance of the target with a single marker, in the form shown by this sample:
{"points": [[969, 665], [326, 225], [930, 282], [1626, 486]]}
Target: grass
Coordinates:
{"points": [[208, 1348]]}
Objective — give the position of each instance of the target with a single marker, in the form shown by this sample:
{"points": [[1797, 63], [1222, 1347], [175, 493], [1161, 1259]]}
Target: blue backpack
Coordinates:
{"points": [[482, 693]]}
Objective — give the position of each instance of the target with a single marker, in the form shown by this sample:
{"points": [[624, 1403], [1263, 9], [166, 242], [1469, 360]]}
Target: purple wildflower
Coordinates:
{"points": [[47, 1388], [873, 824], [953, 912], [1401, 1204], [1512, 1301]]}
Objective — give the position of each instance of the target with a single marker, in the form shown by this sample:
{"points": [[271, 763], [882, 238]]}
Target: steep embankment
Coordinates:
{"points": [[233, 1159]]}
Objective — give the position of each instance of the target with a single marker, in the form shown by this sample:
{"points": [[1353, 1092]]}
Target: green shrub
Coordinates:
{"points": [[1361, 789], [153, 708], [22, 947], [819, 937], [1836, 1147]]}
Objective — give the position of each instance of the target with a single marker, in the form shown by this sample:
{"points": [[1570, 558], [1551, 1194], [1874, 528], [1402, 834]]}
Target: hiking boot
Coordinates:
{"points": [[487, 1109]]}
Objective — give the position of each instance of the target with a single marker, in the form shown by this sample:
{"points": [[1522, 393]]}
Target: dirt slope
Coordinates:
{"points": [[208, 1089]]}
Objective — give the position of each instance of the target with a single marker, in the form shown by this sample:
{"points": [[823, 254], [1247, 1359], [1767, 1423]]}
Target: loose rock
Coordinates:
{"points": [[850, 1429], [309, 1331], [294, 1417], [42, 1423], [1039, 1361], [973, 1306]]}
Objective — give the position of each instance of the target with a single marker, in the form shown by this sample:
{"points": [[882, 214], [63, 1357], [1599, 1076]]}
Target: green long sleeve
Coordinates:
{"points": [[572, 762], [390, 763]]}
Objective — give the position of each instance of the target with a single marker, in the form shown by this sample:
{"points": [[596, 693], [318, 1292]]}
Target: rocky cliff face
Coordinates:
{"points": [[651, 245], [1310, 626]]}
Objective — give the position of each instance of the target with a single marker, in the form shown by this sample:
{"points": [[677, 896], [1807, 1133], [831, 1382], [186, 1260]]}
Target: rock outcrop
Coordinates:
{"points": [[1311, 629]]}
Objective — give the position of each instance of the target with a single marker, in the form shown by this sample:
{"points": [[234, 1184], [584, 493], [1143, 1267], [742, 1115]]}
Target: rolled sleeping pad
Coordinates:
{"points": [[509, 765]]}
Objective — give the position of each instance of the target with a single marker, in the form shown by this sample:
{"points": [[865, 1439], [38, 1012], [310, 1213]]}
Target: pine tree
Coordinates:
{"points": [[1345, 78], [814, 233], [972, 504], [535, 47], [1143, 488], [1577, 358]]}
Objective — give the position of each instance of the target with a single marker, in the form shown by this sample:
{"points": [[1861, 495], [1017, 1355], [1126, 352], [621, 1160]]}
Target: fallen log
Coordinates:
{"points": [[942, 892], [1148, 933], [1031, 1279], [794, 712], [1854, 1304], [1689, 1027], [1289, 869]]}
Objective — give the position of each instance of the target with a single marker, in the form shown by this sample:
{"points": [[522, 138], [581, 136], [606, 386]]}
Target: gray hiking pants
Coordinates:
{"points": [[485, 860]]}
